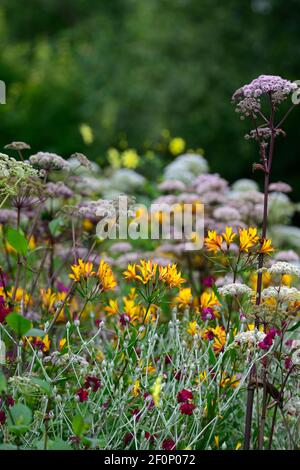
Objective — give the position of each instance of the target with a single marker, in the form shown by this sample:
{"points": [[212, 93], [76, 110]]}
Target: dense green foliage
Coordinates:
{"points": [[130, 68]]}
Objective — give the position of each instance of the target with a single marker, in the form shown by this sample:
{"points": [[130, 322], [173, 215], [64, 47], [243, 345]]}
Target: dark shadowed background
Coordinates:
{"points": [[129, 69]]}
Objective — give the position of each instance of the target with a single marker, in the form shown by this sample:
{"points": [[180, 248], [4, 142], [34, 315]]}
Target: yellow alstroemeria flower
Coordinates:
{"points": [[266, 247], [106, 276], [193, 328], [112, 308], [82, 270], [184, 297], [248, 238], [213, 241], [228, 236]]}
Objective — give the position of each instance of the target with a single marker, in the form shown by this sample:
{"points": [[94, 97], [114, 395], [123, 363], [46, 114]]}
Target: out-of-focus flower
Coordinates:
{"points": [[86, 133], [82, 159], [130, 158], [280, 187], [193, 328], [177, 145], [113, 156], [17, 146], [266, 247], [112, 308], [156, 391], [49, 161], [136, 389]]}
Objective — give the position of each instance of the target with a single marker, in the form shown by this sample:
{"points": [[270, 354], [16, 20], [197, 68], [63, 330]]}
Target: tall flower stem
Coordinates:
{"points": [[267, 165]]}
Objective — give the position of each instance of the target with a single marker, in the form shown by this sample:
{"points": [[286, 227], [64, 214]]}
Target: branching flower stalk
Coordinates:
{"points": [[248, 100]]}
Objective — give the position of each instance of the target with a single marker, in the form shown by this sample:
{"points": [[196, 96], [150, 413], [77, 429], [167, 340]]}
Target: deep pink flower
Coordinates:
{"points": [[82, 395], [178, 375], [124, 319], [4, 309], [168, 359], [2, 417], [207, 313], [10, 401], [150, 437], [128, 438], [61, 287], [150, 400], [168, 444], [184, 396], [187, 408], [136, 413], [92, 382], [208, 281]]}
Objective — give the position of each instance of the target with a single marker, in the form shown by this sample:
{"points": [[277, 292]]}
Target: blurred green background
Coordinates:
{"points": [[86, 75]]}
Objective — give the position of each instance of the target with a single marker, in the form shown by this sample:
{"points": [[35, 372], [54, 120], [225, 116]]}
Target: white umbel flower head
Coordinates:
{"points": [[281, 267], [282, 293], [236, 289], [249, 338]]}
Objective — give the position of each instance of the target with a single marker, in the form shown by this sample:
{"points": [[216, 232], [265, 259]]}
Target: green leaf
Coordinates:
{"points": [[17, 240], [212, 358], [294, 327], [59, 444], [78, 425], [45, 386], [20, 325], [35, 332], [19, 418], [55, 226], [3, 384]]}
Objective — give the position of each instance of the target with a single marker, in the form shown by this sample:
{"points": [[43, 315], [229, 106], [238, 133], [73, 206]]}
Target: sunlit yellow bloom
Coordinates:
{"points": [[130, 273], [286, 280], [248, 238], [87, 225], [238, 446], [203, 376], [170, 276], [130, 158], [106, 276], [86, 133], [217, 441], [156, 391], [228, 235], [229, 381], [177, 145], [150, 369], [251, 327], [132, 294], [213, 241], [45, 340], [266, 280], [136, 390], [184, 297], [218, 335], [113, 157], [82, 270], [31, 243], [208, 299], [112, 308], [266, 247], [193, 328], [20, 295], [62, 342]]}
